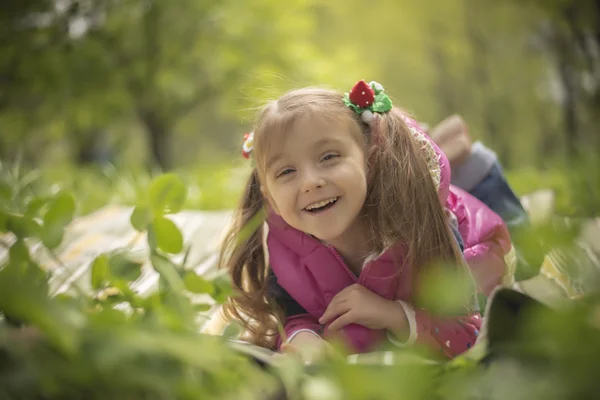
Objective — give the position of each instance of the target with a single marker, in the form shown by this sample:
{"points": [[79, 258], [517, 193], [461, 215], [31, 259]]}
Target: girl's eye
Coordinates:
{"points": [[329, 156], [285, 172]]}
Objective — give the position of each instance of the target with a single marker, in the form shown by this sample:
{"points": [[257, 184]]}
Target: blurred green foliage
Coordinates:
{"points": [[145, 83], [111, 343], [114, 343], [208, 187]]}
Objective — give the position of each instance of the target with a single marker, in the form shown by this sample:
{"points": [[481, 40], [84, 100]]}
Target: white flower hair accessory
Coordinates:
{"points": [[248, 144]]}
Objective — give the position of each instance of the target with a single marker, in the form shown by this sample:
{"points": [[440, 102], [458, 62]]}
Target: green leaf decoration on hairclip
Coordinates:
{"points": [[350, 104], [363, 94], [382, 103]]}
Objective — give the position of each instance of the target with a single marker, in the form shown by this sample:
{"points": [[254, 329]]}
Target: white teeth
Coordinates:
{"points": [[321, 203]]}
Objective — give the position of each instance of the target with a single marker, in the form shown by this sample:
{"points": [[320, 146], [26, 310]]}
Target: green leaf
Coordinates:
{"points": [[121, 266], [19, 251], [25, 297], [252, 225], [52, 236], [3, 221], [22, 226], [173, 299], [100, 271], [71, 300], [167, 194], [202, 307], [537, 241], [140, 218], [167, 270], [109, 316], [223, 288], [61, 211], [59, 214], [446, 290], [152, 243], [5, 192], [197, 284], [34, 206], [168, 236]]}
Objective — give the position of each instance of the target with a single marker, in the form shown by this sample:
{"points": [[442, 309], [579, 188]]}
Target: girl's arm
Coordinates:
{"points": [[299, 324], [309, 346], [358, 305]]}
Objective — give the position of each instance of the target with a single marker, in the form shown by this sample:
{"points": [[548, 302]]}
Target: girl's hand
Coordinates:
{"points": [[358, 305]]}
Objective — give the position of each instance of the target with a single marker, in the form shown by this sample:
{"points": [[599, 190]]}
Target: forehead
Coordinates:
{"points": [[306, 132], [314, 127]]}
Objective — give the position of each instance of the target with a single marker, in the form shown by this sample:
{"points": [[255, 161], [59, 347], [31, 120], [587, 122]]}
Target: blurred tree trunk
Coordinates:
{"points": [[159, 138], [569, 101], [573, 43], [90, 146], [157, 109], [85, 153]]}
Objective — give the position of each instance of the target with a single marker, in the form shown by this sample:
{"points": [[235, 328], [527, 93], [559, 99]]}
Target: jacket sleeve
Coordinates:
{"points": [[448, 336], [299, 323], [488, 248], [297, 319]]}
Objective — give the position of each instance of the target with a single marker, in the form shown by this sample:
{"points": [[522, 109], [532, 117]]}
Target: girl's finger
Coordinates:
{"points": [[338, 298], [342, 321], [332, 311]]}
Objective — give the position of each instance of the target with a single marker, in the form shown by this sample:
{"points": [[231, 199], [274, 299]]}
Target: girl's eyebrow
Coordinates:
{"points": [[326, 141], [273, 160]]}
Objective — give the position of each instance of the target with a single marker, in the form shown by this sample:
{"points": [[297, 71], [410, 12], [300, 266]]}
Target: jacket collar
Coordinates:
{"points": [[303, 244]]}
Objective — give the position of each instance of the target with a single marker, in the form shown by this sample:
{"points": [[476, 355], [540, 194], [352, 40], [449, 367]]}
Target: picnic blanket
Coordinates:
{"points": [[109, 229]]}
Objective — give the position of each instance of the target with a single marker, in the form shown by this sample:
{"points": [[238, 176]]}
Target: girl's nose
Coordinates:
{"points": [[311, 180]]}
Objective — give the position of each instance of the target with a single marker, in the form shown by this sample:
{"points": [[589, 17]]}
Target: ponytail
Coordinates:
{"points": [[402, 204]]}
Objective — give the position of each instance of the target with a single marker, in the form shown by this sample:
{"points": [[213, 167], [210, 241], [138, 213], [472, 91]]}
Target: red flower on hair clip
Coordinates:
{"points": [[248, 144]]}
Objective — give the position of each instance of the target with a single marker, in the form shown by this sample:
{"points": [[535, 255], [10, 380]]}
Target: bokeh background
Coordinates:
{"points": [[98, 94]]}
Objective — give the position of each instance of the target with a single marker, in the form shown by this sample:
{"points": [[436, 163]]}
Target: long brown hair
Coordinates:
{"points": [[402, 204]]}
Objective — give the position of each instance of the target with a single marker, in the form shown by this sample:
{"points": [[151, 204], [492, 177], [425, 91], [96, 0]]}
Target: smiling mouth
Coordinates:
{"points": [[321, 205]]}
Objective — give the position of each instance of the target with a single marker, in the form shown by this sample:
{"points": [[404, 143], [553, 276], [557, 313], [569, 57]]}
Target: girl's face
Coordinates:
{"points": [[316, 179]]}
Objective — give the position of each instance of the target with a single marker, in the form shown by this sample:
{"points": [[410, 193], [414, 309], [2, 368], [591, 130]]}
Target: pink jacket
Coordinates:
{"points": [[313, 273]]}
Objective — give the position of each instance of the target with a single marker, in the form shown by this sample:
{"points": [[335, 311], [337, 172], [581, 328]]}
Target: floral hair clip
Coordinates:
{"points": [[366, 99], [248, 144]]}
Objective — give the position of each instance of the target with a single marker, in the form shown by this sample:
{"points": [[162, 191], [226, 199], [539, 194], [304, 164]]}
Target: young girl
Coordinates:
{"points": [[358, 205]]}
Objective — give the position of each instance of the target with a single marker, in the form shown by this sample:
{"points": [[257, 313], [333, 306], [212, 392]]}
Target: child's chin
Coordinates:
{"points": [[328, 236]]}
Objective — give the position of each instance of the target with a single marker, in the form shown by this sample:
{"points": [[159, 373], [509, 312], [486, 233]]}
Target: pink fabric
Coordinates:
{"points": [[450, 337], [486, 238], [313, 273], [298, 322]]}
